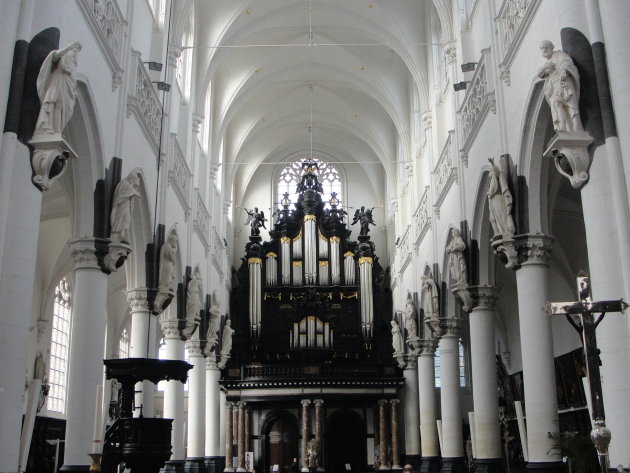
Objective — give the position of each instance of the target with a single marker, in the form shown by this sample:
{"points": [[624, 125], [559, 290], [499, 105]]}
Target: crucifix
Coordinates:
{"points": [[581, 316]]}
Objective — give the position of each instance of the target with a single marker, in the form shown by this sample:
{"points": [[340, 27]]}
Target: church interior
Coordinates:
{"points": [[284, 236]]}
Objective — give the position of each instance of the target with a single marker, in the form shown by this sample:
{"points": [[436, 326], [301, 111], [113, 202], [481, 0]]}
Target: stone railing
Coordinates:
{"points": [[109, 28], [422, 218], [404, 250], [478, 100], [218, 252], [201, 221], [144, 103], [180, 176], [445, 172], [513, 21]]}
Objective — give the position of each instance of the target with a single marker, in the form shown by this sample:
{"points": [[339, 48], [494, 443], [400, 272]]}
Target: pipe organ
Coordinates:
{"points": [[310, 287]]}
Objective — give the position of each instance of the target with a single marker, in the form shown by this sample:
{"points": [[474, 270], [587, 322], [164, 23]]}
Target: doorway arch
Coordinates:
{"points": [[280, 431], [345, 442]]}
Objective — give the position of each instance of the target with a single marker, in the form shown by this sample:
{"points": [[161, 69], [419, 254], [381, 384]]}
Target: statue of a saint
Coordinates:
{"points": [[193, 298], [226, 339], [212, 335], [397, 341], [456, 259], [168, 253], [120, 217], [500, 200], [562, 88], [410, 318], [57, 89], [256, 219], [430, 303], [364, 217]]}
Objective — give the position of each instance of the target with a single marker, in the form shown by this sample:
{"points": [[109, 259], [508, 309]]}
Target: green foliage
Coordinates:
{"points": [[578, 448]]}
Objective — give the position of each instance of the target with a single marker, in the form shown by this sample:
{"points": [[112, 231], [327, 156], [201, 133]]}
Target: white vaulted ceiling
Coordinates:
{"points": [[355, 74]]}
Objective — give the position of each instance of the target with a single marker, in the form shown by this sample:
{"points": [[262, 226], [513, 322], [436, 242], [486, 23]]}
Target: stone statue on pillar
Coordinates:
{"points": [[410, 319], [193, 302], [397, 339], [57, 89], [562, 88], [212, 335], [120, 217], [431, 306], [500, 200], [226, 343], [456, 260], [168, 254]]}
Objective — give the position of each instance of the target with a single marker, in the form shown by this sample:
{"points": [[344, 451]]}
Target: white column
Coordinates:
{"points": [[87, 347], [429, 445], [174, 390], [142, 345], [484, 375], [411, 408], [196, 405], [452, 437], [539, 375], [17, 276], [213, 408]]}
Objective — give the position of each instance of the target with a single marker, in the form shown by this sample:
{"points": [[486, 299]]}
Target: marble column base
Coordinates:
{"points": [[453, 465], [215, 464], [75, 468], [174, 466], [429, 464], [488, 465], [546, 467], [195, 465]]}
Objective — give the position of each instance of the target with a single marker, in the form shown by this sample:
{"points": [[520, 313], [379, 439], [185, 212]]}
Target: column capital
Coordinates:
{"points": [[229, 404], [483, 297], [318, 402], [170, 328], [241, 404], [305, 402], [211, 362], [533, 249], [197, 120], [194, 348], [83, 252], [427, 346], [393, 402], [452, 327], [382, 402], [138, 300]]}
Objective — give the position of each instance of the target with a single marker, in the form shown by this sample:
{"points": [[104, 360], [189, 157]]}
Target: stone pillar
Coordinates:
{"points": [[394, 435], [246, 427], [196, 409], [213, 415], [429, 444], [229, 426], [87, 346], [452, 436], [382, 435], [411, 408], [484, 380], [539, 375], [17, 276], [174, 396], [318, 431], [240, 406], [305, 431], [142, 345]]}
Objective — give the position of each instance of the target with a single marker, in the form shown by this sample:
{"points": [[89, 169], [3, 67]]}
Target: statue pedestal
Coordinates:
{"points": [[116, 256], [570, 154], [49, 158], [162, 301], [504, 248]]}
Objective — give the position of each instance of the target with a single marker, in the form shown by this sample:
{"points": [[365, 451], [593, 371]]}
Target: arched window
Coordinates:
{"points": [[184, 62], [123, 344], [327, 175], [59, 345], [462, 367]]}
